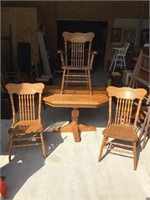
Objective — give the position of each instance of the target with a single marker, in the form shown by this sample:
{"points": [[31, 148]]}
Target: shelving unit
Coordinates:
{"points": [[140, 78]]}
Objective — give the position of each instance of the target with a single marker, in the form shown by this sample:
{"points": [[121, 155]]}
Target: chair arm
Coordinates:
{"points": [[60, 52], [92, 54], [62, 57], [119, 50]]}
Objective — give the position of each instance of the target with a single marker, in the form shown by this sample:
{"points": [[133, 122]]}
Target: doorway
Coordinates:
{"points": [[98, 27]]}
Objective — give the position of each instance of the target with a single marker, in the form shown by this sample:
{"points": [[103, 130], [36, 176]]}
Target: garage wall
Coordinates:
{"points": [[23, 23], [49, 11]]}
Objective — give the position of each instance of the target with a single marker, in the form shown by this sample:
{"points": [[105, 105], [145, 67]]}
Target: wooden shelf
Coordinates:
{"points": [[142, 81]]}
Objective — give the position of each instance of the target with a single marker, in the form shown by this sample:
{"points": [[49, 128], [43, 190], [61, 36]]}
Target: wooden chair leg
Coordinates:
{"points": [[63, 81], [134, 155], [10, 154], [101, 149], [67, 72], [10, 147], [88, 80], [43, 104], [90, 84], [43, 145]]}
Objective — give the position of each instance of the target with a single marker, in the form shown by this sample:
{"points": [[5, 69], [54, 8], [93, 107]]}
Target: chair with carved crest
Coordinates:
{"points": [[26, 128], [121, 133], [77, 59]]}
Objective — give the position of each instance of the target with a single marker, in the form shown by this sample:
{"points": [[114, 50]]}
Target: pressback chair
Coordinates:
{"points": [[119, 57], [26, 128], [121, 133], [77, 59]]}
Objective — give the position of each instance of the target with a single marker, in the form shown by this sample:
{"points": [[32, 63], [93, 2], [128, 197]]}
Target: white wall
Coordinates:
{"points": [[138, 24]]}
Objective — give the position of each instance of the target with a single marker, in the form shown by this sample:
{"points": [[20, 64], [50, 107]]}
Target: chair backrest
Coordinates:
{"points": [[128, 103], [28, 97], [77, 48], [123, 50], [126, 45]]}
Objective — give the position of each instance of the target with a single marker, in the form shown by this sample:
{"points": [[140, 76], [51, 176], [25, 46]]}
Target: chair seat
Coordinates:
{"points": [[121, 132], [20, 127], [77, 68]]}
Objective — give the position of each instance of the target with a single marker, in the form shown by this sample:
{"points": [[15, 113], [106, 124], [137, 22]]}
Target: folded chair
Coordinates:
{"points": [[26, 128], [121, 133], [119, 58], [77, 59]]}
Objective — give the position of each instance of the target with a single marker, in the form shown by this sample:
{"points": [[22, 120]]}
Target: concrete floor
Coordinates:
{"points": [[71, 170]]}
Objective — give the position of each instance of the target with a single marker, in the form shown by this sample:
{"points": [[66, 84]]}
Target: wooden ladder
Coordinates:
{"points": [[140, 78]]}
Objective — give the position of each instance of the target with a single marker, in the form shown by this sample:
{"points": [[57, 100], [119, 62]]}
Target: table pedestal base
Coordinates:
{"points": [[74, 127]]}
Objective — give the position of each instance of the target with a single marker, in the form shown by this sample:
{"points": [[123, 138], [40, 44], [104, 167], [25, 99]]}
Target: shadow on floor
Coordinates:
{"points": [[27, 161]]}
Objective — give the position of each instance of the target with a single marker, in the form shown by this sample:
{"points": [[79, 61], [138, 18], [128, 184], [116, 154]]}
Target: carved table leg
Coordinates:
{"points": [[74, 127]]}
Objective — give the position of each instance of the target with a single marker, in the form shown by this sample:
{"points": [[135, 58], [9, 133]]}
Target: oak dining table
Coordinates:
{"points": [[75, 98]]}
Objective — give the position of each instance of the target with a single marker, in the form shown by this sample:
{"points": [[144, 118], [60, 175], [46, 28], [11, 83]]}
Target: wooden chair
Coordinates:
{"points": [[26, 128], [77, 59], [121, 133]]}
